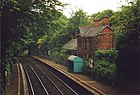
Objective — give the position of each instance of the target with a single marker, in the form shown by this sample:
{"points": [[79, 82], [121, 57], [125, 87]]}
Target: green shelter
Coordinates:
{"points": [[75, 64]]}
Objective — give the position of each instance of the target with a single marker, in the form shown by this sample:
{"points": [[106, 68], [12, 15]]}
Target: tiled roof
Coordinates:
{"points": [[84, 29], [91, 32], [71, 45]]}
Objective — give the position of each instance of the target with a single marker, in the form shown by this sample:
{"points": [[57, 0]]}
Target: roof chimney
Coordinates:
{"points": [[96, 23], [106, 20]]}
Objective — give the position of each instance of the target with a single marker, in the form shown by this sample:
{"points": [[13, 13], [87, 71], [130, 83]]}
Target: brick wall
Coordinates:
{"points": [[104, 40]]}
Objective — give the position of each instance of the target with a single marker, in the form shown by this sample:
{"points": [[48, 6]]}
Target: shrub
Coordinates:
{"points": [[105, 69], [108, 55], [86, 64], [104, 63], [59, 57]]}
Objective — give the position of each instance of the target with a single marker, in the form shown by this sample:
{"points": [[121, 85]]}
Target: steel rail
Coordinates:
{"points": [[38, 79], [18, 79], [30, 83], [60, 80], [50, 80]]}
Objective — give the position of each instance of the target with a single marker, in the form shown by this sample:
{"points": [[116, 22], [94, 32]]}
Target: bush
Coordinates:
{"points": [[105, 69], [104, 63], [108, 55], [59, 57], [87, 63]]}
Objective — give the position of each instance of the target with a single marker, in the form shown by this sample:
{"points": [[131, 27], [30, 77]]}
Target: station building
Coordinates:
{"points": [[89, 39]]}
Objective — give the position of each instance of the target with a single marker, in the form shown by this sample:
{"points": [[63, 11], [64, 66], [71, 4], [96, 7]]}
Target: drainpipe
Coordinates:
{"points": [[96, 59]]}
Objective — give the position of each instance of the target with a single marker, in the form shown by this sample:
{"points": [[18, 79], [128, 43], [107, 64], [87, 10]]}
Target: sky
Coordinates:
{"points": [[91, 6]]}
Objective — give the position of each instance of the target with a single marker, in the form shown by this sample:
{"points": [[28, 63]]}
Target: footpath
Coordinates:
{"points": [[83, 79]]}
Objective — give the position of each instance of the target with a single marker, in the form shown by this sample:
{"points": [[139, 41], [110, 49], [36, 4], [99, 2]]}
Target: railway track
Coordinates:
{"points": [[43, 80], [74, 85], [63, 88], [21, 84], [35, 85]]}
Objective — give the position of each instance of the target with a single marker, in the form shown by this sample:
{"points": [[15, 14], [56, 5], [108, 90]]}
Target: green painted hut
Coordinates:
{"points": [[75, 64]]}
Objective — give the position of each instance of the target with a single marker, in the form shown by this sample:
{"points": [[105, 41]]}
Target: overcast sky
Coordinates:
{"points": [[91, 6]]}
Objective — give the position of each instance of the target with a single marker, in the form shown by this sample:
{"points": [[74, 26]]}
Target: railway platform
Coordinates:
{"points": [[82, 79]]}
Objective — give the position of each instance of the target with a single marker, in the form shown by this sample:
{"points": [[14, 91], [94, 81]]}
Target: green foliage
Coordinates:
{"points": [[128, 43], [100, 15], [113, 16], [108, 55], [79, 18], [105, 69], [23, 23], [59, 56], [26, 22], [87, 64], [114, 19], [54, 39], [104, 63]]}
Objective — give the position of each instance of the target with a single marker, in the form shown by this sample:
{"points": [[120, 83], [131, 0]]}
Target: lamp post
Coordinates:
{"points": [[91, 70], [49, 53]]}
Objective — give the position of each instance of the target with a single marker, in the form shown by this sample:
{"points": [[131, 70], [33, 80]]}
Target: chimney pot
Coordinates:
{"points": [[105, 20], [96, 23]]}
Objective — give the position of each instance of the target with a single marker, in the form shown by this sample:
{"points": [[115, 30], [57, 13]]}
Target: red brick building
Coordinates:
{"points": [[90, 39]]}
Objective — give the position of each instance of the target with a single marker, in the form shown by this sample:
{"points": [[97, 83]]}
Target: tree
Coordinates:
{"points": [[79, 18], [128, 44], [23, 23], [54, 38], [100, 15]]}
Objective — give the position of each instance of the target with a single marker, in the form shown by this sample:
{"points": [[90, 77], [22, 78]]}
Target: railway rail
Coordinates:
{"points": [[44, 80], [35, 84], [63, 88]]}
